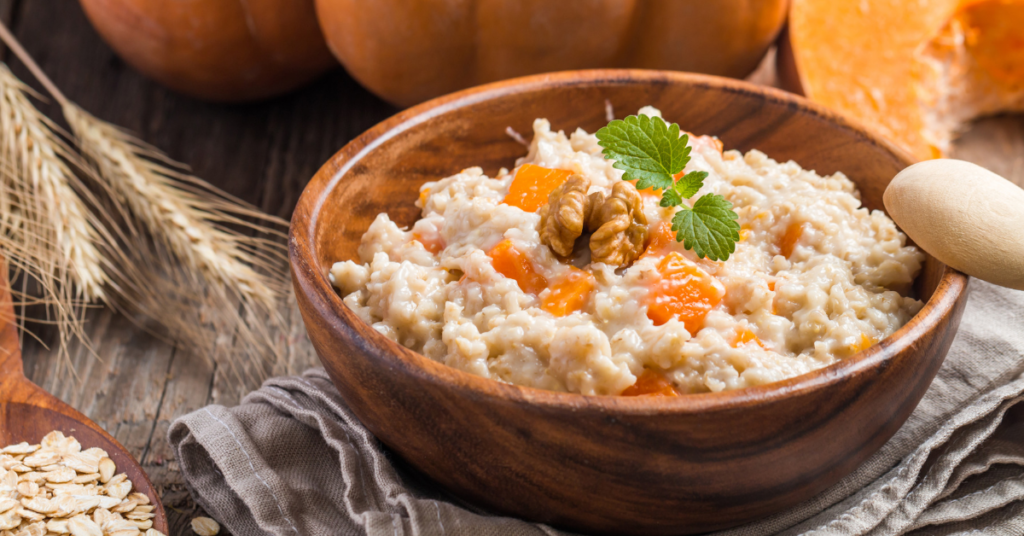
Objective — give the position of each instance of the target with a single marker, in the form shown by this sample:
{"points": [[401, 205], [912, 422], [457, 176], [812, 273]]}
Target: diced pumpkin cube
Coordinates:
{"points": [[865, 343], [745, 336], [570, 294], [705, 142], [651, 383], [648, 192], [532, 184], [790, 239], [514, 264], [683, 291], [433, 244], [662, 240]]}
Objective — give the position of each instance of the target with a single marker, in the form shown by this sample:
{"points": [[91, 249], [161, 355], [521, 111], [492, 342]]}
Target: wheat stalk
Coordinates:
{"points": [[47, 231], [191, 257], [171, 212], [239, 279], [47, 182]]}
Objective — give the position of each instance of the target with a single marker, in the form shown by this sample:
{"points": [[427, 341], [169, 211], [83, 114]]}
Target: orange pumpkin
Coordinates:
{"points": [[222, 50], [915, 70], [407, 52]]}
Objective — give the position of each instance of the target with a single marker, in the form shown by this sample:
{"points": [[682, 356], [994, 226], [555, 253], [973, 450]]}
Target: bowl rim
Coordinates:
{"points": [[314, 285]]}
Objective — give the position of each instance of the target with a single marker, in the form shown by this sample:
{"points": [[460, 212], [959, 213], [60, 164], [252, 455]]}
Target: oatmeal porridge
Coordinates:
{"points": [[496, 280]]}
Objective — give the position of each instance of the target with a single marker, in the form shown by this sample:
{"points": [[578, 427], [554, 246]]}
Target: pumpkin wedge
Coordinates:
{"points": [[916, 70]]}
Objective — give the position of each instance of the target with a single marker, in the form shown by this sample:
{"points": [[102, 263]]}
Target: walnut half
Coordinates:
{"points": [[619, 225], [563, 218], [617, 221]]}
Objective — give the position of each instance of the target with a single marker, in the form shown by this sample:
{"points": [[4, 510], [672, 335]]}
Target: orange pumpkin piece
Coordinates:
{"points": [[648, 192], [532, 184], [745, 336], [650, 383], [702, 142], [433, 245], [790, 239], [865, 343], [662, 240], [684, 291], [570, 294], [514, 264], [915, 70]]}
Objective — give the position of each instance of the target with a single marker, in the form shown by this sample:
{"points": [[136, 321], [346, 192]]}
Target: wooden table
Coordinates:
{"points": [[263, 153]]}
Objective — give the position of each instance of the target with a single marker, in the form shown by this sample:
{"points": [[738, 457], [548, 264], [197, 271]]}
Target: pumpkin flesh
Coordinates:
{"points": [[915, 70]]}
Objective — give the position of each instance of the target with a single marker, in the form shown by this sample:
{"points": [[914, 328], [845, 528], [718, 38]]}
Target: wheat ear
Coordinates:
{"points": [[39, 158], [239, 278], [196, 260], [174, 213], [48, 233]]}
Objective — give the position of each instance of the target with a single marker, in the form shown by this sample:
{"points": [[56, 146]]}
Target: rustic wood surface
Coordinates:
{"points": [[264, 153]]}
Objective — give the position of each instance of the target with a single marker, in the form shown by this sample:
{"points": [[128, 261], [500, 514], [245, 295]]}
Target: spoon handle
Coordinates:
{"points": [[11, 370]]}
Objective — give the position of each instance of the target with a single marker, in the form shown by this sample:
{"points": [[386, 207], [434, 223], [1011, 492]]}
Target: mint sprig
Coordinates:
{"points": [[709, 228], [652, 152], [647, 149], [684, 188]]}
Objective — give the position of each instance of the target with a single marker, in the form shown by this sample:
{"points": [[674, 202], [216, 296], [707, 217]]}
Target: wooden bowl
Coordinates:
{"points": [[611, 465]]}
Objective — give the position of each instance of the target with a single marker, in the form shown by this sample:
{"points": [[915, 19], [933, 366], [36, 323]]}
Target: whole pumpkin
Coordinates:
{"points": [[407, 52], [222, 50]]}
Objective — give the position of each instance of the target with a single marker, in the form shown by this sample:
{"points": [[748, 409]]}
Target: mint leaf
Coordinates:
{"points": [[647, 149], [690, 184], [671, 198], [651, 152], [709, 228]]}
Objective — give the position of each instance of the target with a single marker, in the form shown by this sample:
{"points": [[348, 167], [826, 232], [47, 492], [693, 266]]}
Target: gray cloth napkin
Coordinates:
{"points": [[292, 459]]}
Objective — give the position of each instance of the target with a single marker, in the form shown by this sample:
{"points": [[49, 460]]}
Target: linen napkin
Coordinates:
{"points": [[292, 459]]}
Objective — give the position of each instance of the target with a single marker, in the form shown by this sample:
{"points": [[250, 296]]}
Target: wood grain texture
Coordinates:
{"points": [[611, 465], [27, 413]]}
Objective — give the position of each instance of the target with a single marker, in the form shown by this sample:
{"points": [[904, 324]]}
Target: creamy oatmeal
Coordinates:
{"points": [[814, 278]]}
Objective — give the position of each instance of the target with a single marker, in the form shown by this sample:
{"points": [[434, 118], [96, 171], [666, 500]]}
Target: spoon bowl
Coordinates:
{"points": [[27, 412]]}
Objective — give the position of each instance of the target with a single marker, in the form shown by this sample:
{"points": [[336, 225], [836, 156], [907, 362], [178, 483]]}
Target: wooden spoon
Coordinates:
{"points": [[964, 215], [27, 412]]}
